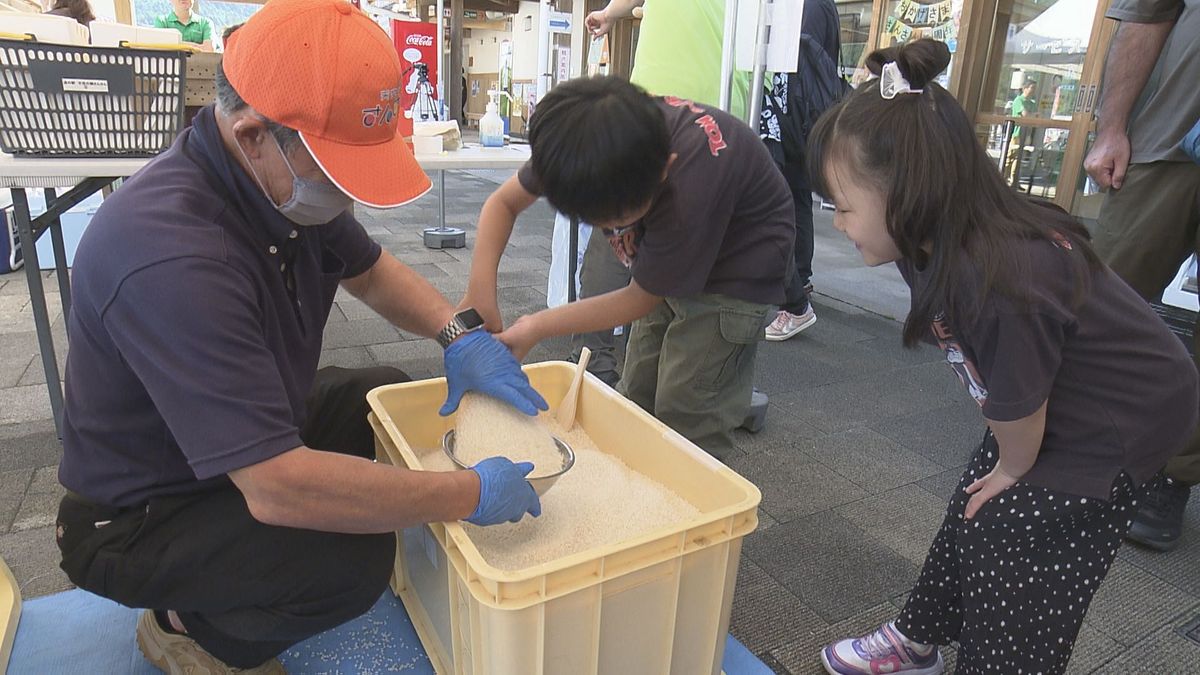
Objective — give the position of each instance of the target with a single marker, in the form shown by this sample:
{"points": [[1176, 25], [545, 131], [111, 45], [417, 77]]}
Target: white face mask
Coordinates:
{"points": [[312, 202]]}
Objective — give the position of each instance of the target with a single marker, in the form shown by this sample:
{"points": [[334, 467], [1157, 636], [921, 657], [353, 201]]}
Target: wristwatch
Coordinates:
{"points": [[463, 322]]}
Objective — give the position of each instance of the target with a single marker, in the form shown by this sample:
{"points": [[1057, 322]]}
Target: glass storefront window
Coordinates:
{"points": [[908, 20], [855, 18], [1042, 55], [222, 14], [1031, 159], [1088, 197]]}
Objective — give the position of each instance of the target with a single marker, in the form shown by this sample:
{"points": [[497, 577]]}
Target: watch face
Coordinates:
{"points": [[470, 319]]}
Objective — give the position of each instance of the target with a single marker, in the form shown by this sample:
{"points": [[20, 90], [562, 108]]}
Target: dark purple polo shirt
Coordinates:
{"points": [[196, 326]]}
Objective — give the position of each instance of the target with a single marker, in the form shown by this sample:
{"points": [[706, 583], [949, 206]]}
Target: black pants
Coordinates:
{"points": [[245, 591], [796, 300], [1013, 584]]}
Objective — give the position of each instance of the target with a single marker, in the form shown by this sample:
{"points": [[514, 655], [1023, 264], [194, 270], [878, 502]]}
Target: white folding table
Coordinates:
{"points": [[469, 157], [82, 178]]}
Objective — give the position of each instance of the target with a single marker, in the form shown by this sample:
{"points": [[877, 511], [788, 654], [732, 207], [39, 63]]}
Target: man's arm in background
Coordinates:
{"points": [[601, 21], [1131, 58]]}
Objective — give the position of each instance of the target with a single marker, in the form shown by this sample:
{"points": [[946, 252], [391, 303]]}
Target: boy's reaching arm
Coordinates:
{"points": [[496, 221], [601, 312]]}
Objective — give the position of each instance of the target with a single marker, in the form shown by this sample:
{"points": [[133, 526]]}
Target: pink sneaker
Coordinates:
{"points": [[884, 651], [787, 325]]}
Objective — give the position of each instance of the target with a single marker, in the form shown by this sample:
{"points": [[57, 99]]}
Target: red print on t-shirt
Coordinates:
{"points": [[677, 102], [716, 142], [1061, 241], [967, 373]]}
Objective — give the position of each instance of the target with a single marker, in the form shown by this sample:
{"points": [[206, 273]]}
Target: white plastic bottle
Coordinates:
{"points": [[491, 125]]}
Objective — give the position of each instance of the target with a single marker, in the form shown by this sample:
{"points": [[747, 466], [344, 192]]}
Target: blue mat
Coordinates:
{"points": [[77, 632]]}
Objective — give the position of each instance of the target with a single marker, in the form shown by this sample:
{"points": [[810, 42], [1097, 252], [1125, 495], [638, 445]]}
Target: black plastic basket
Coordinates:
{"points": [[1182, 323], [71, 101]]}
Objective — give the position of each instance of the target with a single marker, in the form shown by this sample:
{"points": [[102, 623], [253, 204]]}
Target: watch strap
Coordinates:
{"points": [[451, 332]]}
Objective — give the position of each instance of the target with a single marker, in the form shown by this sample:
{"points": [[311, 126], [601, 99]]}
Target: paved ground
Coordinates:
{"points": [[865, 441]]}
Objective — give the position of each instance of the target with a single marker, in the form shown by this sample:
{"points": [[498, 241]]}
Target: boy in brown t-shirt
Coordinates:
{"points": [[690, 200]]}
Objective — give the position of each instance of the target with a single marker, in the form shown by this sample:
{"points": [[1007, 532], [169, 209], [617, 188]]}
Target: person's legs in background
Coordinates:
{"points": [[602, 272], [1146, 230], [796, 314], [1012, 161]]}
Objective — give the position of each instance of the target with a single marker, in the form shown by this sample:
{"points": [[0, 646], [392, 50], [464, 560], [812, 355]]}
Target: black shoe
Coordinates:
{"points": [[756, 418], [1159, 520]]}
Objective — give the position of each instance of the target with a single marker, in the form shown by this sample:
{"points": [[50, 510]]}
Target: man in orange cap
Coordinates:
{"points": [[215, 476]]}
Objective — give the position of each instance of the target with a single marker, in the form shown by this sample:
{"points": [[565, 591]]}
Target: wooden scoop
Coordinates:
{"points": [[570, 402]]}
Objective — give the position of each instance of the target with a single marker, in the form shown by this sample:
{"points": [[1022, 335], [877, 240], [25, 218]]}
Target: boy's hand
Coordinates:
{"points": [[521, 336], [985, 488]]}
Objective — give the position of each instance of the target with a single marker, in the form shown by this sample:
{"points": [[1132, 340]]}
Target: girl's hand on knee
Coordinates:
{"points": [[985, 488]]}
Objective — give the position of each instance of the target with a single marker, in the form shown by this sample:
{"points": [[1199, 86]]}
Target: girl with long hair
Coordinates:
{"points": [[1085, 391]]}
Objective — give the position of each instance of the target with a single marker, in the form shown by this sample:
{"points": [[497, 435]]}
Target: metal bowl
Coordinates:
{"points": [[540, 483]]}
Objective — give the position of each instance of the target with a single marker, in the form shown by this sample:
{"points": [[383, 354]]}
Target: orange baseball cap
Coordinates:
{"points": [[323, 68]]}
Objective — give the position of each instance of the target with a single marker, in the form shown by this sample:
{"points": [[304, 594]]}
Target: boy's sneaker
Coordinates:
{"points": [[787, 325], [884, 651], [756, 418], [1159, 520], [177, 654]]}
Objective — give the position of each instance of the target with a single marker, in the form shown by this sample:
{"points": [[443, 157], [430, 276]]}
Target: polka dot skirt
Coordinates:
{"points": [[1012, 585]]}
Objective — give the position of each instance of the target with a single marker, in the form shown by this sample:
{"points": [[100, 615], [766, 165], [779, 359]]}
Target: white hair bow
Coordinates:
{"points": [[891, 82]]}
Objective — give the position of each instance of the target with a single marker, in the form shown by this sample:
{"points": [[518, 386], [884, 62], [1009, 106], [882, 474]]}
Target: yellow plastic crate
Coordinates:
{"points": [[10, 614], [656, 604]]}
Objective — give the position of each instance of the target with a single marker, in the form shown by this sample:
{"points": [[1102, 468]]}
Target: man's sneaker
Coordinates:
{"points": [[177, 654], [1159, 520], [787, 325], [884, 651]]}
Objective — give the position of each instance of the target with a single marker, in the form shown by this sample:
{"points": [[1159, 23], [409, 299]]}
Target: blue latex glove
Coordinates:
{"points": [[477, 361], [504, 494]]}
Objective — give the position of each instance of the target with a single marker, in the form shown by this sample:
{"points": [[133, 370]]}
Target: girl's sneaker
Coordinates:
{"points": [[884, 651]]}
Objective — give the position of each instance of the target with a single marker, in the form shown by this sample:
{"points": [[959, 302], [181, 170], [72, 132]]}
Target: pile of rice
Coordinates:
{"points": [[600, 501], [488, 427]]}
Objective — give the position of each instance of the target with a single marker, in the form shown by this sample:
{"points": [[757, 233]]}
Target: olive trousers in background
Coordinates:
{"points": [[1146, 230]]}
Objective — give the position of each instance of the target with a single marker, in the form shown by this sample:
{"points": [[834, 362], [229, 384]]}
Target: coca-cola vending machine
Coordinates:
{"points": [[416, 43]]}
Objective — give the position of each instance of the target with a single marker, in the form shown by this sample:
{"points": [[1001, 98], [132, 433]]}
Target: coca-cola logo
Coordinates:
{"points": [[420, 40]]}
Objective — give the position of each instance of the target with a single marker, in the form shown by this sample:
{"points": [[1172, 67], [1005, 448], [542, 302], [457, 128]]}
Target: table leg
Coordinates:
{"points": [[442, 200], [37, 297], [60, 259], [443, 236], [572, 258]]}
